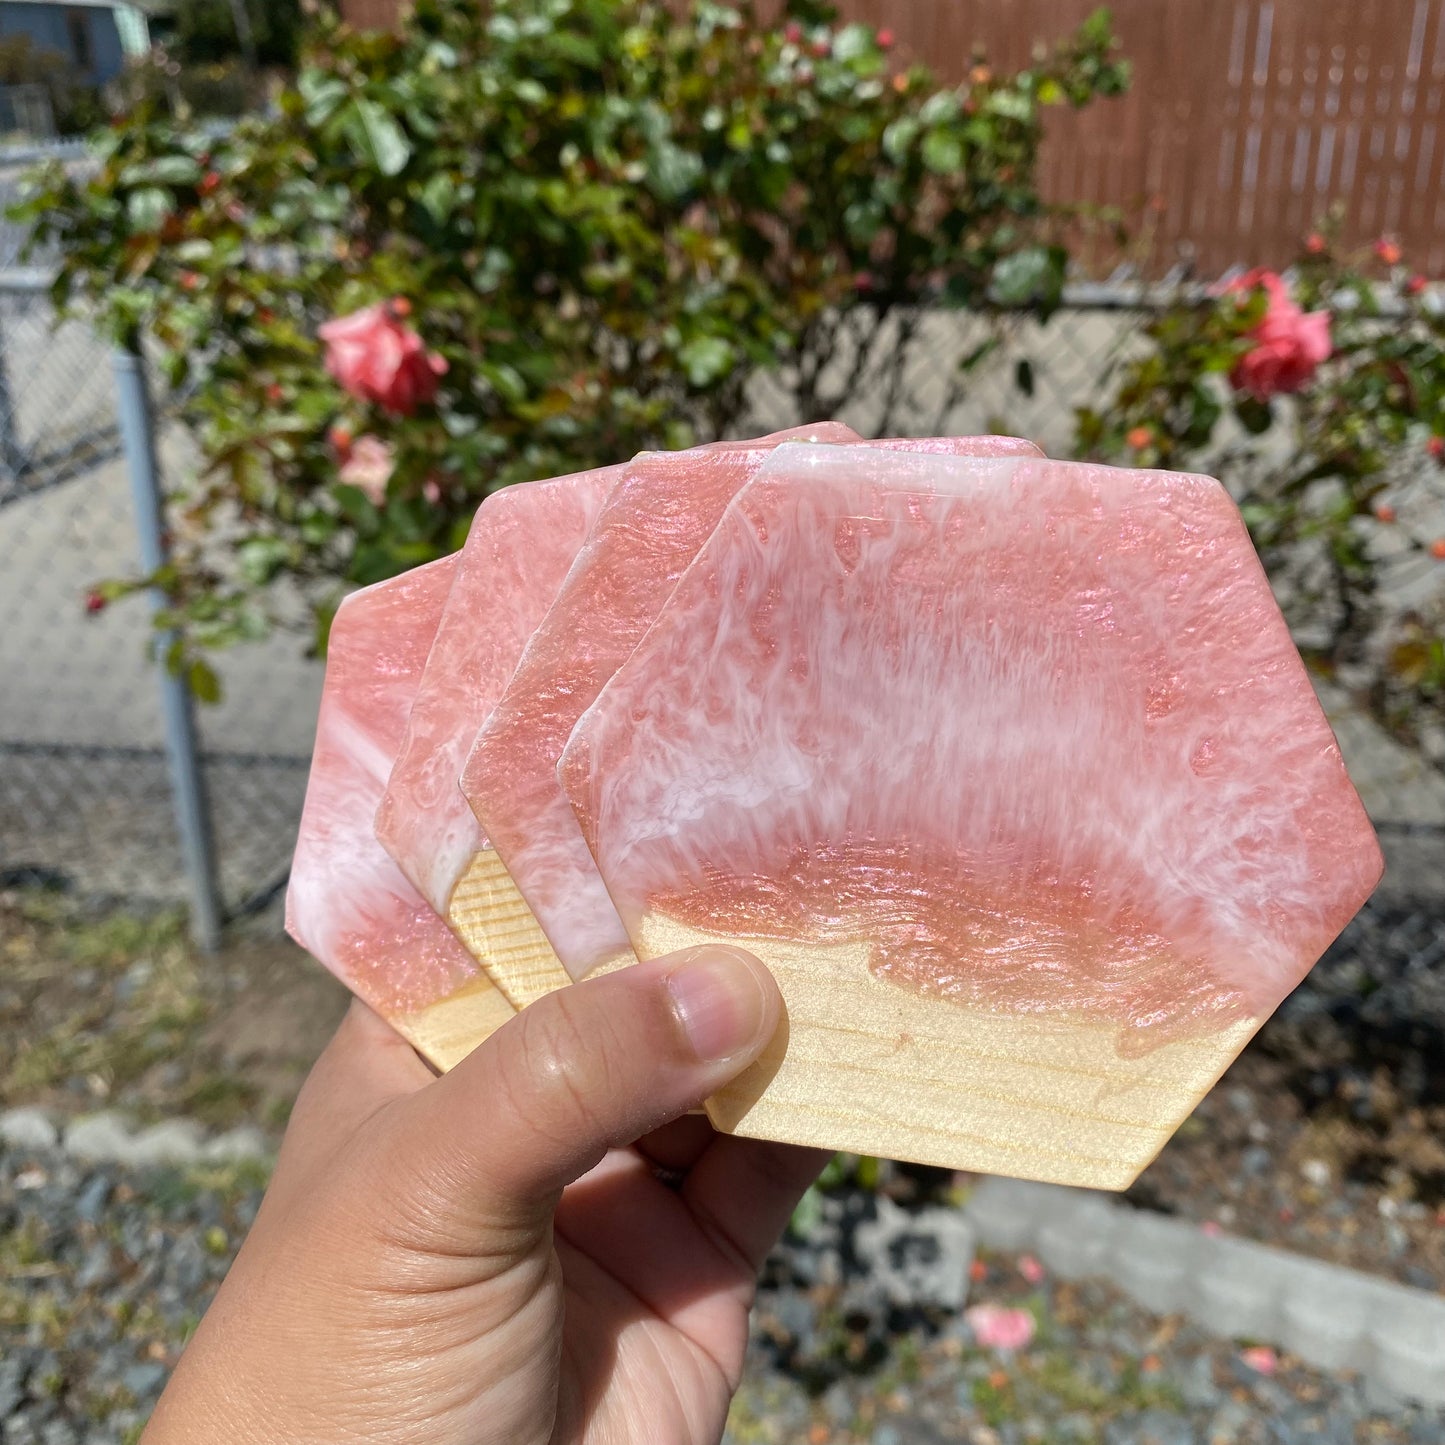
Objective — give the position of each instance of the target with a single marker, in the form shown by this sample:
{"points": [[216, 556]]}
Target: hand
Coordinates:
{"points": [[533, 1248]]}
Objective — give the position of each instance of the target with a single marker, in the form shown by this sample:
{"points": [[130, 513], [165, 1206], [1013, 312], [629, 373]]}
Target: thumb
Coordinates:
{"points": [[591, 1067]]}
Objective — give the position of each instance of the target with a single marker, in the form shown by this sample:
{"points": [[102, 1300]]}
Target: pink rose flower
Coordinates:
{"points": [[1290, 344], [997, 1328], [377, 358], [369, 464]]}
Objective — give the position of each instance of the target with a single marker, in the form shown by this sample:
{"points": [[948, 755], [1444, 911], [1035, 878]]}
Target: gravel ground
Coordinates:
{"points": [[1327, 1136], [104, 1273]]}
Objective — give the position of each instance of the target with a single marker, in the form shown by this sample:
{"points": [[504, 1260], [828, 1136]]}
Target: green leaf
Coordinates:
{"points": [[706, 359], [377, 136], [321, 94], [357, 508], [1033, 276], [899, 137], [325, 615], [1011, 105], [146, 209], [807, 1213], [439, 196], [673, 171], [261, 558], [942, 152], [979, 353], [506, 381], [162, 171], [939, 108], [201, 678], [853, 41]]}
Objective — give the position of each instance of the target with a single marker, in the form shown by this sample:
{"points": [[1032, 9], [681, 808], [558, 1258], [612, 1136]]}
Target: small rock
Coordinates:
{"points": [[186, 1267], [1154, 1427], [247, 1142], [12, 1386], [28, 1129], [795, 1315], [134, 979], [1316, 1172], [144, 1380], [91, 1201], [1196, 1384], [838, 1404], [1256, 1161], [99, 1137], [95, 1267], [177, 1141]]}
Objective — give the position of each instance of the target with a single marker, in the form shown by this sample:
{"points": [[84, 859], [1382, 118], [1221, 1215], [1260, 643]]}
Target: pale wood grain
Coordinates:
{"points": [[444, 1033], [500, 931], [871, 1067]]}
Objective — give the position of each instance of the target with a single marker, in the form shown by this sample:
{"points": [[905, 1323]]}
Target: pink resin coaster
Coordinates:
{"points": [[1009, 771], [656, 517], [520, 545], [348, 903], [651, 527]]}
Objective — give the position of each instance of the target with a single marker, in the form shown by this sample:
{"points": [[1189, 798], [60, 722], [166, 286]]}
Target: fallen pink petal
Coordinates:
{"points": [[1261, 1359], [998, 1328]]}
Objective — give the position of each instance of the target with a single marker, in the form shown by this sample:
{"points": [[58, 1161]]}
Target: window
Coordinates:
{"points": [[77, 30]]}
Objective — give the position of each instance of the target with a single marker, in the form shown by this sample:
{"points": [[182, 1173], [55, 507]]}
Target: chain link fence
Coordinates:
{"points": [[85, 798], [85, 793]]}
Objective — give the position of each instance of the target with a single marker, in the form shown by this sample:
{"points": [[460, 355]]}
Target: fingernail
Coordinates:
{"points": [[719, 1001]]}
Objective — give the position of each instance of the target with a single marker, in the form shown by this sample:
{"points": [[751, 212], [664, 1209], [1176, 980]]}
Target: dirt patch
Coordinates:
{"points": [[270, 1029], [117, 1010]]}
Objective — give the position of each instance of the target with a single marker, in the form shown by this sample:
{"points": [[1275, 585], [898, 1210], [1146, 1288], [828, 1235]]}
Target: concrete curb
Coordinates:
{"points": [[1332, 1317], [108, 1138]]}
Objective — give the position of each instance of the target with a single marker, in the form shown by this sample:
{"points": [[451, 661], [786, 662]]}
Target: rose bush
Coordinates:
{"points": [[528, 238], [1320, 402]]}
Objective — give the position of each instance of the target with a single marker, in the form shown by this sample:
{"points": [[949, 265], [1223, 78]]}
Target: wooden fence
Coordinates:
{"points": [[1248, 119]]}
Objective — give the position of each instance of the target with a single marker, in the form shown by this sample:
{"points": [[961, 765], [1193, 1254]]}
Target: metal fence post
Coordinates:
{"points": [[188, 790], [12, 454]]}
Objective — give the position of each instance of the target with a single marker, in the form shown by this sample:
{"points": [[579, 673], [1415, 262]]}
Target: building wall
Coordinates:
{"points": [[85, 34]]}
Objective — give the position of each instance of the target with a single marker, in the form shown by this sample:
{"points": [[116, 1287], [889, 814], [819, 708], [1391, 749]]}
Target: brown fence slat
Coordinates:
{"points": [[1247, 121]]}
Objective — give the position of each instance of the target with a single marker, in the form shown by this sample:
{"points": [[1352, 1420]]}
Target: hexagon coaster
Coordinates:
{"points": [[660, 513], [518, 549], [348, 903], [1009, 771]]}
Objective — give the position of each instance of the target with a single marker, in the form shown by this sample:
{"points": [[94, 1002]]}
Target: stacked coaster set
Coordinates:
{"points": [[1006, 767]]}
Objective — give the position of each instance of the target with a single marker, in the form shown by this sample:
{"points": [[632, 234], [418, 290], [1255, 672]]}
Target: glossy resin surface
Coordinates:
{"points": [[1010, 772], [652, 524], [348, 903]]}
